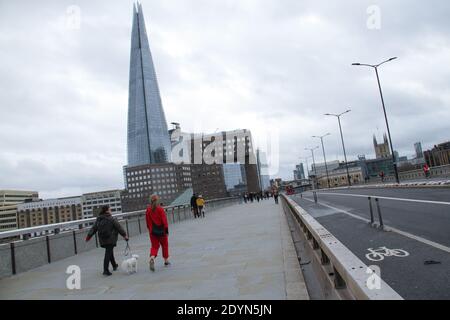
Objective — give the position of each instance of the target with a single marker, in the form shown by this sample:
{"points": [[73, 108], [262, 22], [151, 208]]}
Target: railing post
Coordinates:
{"points": [[74, 242], [324, 258], [371, 210], [139, 225], [13, 258], [47, 240], [379, 213], [315, 244], [339, 283]]}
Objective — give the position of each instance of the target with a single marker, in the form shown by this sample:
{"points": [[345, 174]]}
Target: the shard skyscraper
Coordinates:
{"points": [[148, 139]]}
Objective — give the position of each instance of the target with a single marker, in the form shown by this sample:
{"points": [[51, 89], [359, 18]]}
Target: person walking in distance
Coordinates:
{"points": [[275, 196], [426, 170], [382, 176], [158, 229], [200, 205], [194, 206], [107, 227]]}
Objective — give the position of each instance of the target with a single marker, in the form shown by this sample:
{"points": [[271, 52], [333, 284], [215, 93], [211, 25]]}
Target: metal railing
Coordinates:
{"points": [[343, 271], [80, 224], [435, 172]]}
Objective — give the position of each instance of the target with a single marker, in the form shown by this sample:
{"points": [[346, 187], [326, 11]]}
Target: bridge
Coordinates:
{"points": [[238, 251], [368, 242]]}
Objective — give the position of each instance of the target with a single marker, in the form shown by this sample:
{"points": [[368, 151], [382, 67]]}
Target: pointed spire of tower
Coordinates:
{"points": [[148, 137]]}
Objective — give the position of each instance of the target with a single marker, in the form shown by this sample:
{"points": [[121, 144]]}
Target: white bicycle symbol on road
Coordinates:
{"points": [[380, 253]]}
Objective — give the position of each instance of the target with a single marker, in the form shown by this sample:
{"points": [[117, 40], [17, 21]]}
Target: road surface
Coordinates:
{"points": [[420, 220]]}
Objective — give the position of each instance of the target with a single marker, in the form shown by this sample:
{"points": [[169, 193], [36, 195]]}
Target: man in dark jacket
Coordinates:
{"points": [[194, 206], [108, 229]]}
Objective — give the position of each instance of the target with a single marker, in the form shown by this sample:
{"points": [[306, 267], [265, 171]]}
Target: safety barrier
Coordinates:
{"points": [[344, 272], [61, 240]]}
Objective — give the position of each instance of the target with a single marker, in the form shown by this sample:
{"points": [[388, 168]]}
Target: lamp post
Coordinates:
{"points": [[324, 158], [314, 162], [338, 116], [384, 109]]}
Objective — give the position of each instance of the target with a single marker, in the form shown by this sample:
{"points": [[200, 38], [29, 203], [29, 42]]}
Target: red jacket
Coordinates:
{"points": [[157, 217]]}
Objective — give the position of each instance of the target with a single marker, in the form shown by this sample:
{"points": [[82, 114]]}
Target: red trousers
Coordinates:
{"points": [[156, 241]]}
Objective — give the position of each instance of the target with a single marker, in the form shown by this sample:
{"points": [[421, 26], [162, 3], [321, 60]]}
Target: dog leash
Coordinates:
{"points": [[127, 250]]}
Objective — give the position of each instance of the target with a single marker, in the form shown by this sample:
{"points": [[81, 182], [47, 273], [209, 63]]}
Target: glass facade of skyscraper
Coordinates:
{"points": [[233, 175], [148, 139]]}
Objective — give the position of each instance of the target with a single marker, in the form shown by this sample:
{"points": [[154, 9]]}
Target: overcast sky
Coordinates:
{"points": [[274, 67]]}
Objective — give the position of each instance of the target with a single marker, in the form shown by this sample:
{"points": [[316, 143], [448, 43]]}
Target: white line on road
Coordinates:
{"points": [[388, 228], [380, 197]]}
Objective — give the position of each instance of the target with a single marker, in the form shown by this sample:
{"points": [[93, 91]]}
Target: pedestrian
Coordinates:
{"points": [[275, 196], [200, 205], [108, 229], [158, 229], [194, 207], [382, 176], [426, 170], [245, 197]]}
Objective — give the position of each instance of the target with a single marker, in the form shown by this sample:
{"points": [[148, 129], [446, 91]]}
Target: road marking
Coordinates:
{"points": [[381, 252], [387, 198], [388, 228]]}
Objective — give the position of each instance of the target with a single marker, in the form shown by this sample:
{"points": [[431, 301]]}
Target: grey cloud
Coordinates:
{"points": [[250, 63]]}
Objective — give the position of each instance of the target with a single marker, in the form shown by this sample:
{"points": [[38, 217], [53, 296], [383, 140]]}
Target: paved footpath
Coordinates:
{"points": [[240, 252]]}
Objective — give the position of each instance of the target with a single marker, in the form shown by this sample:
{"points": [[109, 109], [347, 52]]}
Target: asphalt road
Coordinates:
{"points": [[428, 220], [411, 276]]}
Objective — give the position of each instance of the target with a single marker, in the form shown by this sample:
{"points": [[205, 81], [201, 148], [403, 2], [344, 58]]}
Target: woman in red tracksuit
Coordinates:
{"points": [[159, 230]]}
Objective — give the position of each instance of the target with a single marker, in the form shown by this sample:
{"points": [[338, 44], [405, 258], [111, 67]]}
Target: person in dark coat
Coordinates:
{"points": [[194, 206], [108, 229], [275, 196]]}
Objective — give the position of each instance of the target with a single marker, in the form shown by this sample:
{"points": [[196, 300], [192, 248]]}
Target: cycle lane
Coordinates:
{"points": [[410, 276]]}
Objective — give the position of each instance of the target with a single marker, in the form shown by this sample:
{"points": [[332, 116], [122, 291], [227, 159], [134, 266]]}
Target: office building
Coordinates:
{"points": [[299, 172], [92, 202], [320, 168], [148, 139], [338, 177], [168, 180], [439, 155], [234, 175], [9, 200], [36, 213], [376, 166], [263, 170], [418, 150], [226, 147]]}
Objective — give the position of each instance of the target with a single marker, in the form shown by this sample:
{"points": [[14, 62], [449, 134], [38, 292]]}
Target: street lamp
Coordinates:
{"points": [[314, 162], [338, 116], [324, 158], [384, 109]]}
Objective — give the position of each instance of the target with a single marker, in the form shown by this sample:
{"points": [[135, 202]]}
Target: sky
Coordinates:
{"points": [[274, 67]]}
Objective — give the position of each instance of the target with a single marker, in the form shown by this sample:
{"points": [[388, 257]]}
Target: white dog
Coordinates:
{"points": [[130, 265]]}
